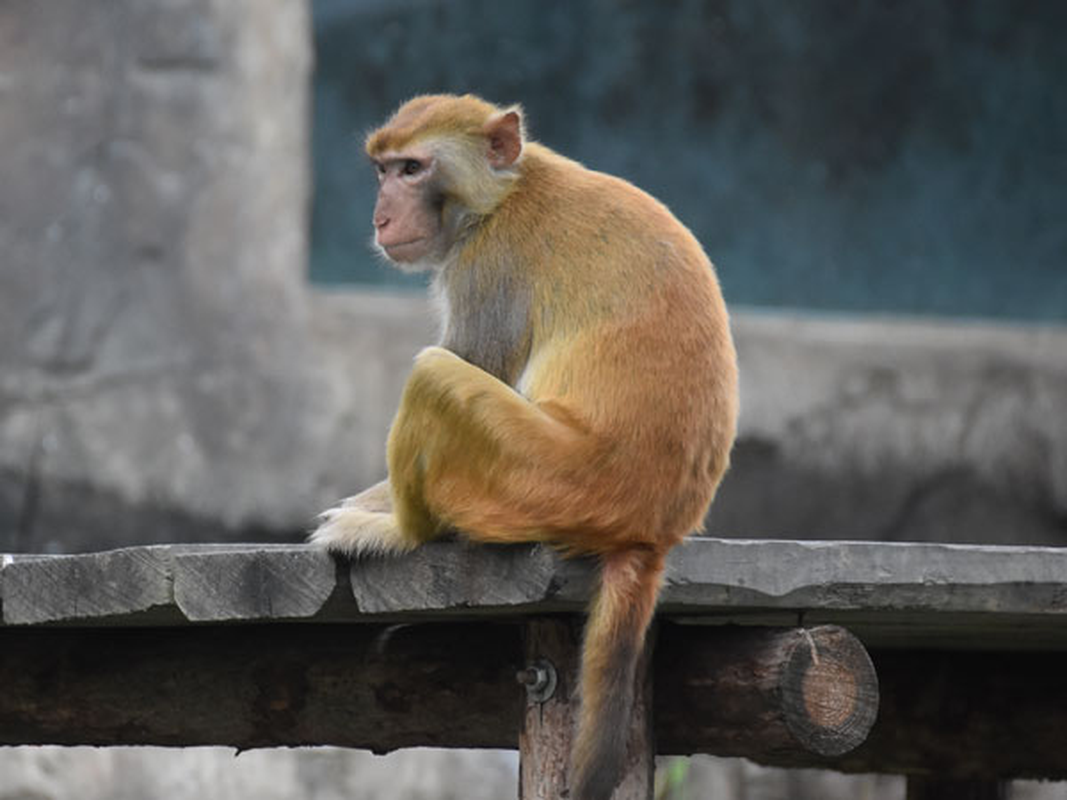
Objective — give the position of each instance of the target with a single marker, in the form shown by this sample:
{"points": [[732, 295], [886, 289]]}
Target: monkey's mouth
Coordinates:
{"points": [[391, 248]]}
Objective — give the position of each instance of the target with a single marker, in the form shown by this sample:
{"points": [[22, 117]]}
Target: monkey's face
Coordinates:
{"points": [[408, 227]]}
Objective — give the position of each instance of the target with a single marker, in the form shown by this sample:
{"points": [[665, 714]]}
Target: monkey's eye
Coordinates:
{"points": [[411, 166]]}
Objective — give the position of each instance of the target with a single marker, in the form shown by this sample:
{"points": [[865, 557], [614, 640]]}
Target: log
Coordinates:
{"points": [[764, 693], [957, 715], [967, 715], [376, 687]]}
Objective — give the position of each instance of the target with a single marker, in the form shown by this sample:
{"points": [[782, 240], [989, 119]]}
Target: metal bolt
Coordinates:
{"points": [[539, 679]]}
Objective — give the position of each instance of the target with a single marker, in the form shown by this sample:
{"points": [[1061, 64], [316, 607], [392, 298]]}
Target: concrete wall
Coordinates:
{"points": [[154, 185]]}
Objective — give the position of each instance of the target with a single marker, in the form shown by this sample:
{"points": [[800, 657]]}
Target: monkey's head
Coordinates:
{"points": [[443, 163]]}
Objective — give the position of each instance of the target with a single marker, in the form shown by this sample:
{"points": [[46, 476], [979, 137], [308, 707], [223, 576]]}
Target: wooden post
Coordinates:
{"points": [[925, 788], [553, 653], [554, 647]]}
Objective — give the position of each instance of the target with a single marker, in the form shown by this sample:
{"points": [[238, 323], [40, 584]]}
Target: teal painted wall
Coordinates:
{"points": [[860, 156]]}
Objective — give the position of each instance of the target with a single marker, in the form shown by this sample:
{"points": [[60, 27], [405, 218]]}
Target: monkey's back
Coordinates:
{"points": [[633, 343]]}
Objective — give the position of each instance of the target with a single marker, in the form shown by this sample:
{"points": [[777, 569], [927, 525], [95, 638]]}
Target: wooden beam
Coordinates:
{"points": [[957, 715], [369, 686], [764, 692], [967, 715], [963, 715], [890, 595]]}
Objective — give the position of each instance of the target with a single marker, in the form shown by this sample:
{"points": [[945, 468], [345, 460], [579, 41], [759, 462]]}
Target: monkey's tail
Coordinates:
{"points": [[614, 640]]}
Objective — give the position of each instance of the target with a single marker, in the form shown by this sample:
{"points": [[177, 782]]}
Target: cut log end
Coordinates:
{"points": [[775, 695], [829, 690]]}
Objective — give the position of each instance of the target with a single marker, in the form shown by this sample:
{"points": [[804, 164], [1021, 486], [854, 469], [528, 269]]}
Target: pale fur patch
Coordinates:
{"points": [[355, 532], [470, 177]]}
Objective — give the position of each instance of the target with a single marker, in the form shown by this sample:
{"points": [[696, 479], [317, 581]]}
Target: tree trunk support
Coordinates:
{"points": [[781, 696], [553, 657], [762, 693]]}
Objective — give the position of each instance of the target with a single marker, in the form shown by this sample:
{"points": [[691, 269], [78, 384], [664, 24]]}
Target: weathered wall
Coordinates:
{"points": [[152, 238], [898, 430]]}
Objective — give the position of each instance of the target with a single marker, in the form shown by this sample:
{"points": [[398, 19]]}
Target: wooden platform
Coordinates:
{"points": [[890, 595], [253, 645]]}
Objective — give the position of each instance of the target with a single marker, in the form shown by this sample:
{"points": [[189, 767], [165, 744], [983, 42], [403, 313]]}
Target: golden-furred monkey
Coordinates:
{"points": [[584, 393]]}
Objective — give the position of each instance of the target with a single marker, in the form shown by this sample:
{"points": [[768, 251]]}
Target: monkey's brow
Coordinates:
{"points": [[395, 159]]}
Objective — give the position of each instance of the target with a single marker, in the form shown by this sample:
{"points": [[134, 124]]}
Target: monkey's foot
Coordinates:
{"points": [[354, 531], [377, 498]]}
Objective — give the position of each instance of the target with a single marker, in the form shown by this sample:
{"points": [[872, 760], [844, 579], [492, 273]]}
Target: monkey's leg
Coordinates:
{"points": [[392, 516], [469, 452]]}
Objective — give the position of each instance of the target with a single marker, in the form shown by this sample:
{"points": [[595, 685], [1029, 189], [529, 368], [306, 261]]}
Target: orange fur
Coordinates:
{"points": [[591, 402]]}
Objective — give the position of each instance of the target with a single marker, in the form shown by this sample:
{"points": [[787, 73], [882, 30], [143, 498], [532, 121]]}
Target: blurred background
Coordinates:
{"points": [[197, 344], [859, 157]]}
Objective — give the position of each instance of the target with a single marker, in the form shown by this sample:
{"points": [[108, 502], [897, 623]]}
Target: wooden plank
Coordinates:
{"points": [[849, 576], [99, 586], [250, 584], [888, 594], [169, 584], [460, 577]]}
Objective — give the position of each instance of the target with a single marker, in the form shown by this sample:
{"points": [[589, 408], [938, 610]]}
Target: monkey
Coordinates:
{"points": [[583, 393]]}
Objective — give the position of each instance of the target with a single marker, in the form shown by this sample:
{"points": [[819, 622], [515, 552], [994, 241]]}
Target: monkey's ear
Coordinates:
{"points": [[504, 132]]}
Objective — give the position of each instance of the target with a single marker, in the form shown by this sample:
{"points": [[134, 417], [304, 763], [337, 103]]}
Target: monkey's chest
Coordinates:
{"points": [[488, 326]]}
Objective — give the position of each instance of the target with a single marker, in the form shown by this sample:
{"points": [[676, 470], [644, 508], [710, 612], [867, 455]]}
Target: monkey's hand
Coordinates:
{"points": [[362, 524]]}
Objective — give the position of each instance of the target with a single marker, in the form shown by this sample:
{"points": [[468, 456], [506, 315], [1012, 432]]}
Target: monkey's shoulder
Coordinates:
{"points": [[565, 193]]}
